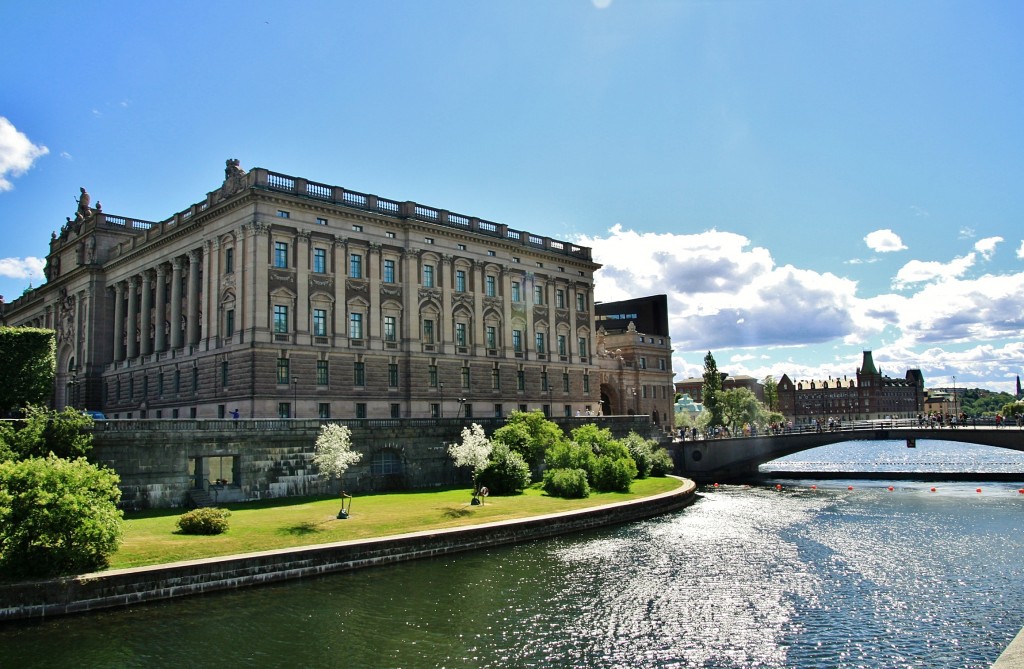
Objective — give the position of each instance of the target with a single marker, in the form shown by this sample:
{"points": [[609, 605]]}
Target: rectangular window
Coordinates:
{"points": [[224, 374], [281, 254], [467, 410], [389, 271], [360, 409], [517, 341], [581, 346], [355, 326], [284, 410], [544, 381], [460, 281], [229, 261], [491, 286], [280, 318], [357, 228], [496, 379], [390, 328], [643, 363], [516, 294], [586, 383], [581, 302], [320, 322], [462, 247], [321, 221], [355, 266], [428, 331], [281, 213], [560, 298], [538, 294], [540, 342], [428, 276], [492, 337], [359, 374], [392, 375], [320, 260], [460, 334], [177, 383], [464, 377], [565, 382], [562, 345], [520, 380], [229, 322], [432, 375], [497, 411], [283, 368], [322, 373], [323, 410], [396, 410], [435, 410]]}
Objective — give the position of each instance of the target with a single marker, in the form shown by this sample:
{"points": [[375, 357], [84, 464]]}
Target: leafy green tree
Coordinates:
{"points": [[1012, 409], [662, 463], [43, 431], [570, 455], [642, 452], [30, 362], [506, 472], [530, 434], [57, 517], [599, 439], [710, 391], [771, 392], [613, 474], [739, 406]]}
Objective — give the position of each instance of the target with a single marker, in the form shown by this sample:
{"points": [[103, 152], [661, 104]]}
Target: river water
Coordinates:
{"points": [[799, 577]]}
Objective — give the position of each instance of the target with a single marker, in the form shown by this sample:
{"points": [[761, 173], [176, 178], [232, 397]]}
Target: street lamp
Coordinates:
{"points": [[462, 404], [295, 397]]}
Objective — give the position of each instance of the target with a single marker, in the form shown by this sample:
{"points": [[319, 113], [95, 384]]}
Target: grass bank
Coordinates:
{"points": [[152, 537]]}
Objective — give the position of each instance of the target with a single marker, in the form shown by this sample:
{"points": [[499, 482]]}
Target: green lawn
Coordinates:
{"points": [[152, 537]]}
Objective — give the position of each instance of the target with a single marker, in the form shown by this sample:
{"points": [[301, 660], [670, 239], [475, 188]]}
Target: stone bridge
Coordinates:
{"points": [[739, 458]]}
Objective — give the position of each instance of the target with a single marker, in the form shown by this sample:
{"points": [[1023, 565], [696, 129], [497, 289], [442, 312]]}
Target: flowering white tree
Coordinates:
{"points": [[474, 451], [333, 453]]}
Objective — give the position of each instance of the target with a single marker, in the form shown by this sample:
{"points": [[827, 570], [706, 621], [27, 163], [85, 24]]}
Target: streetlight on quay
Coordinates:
{"points": [[295, 397], [462, 405]]}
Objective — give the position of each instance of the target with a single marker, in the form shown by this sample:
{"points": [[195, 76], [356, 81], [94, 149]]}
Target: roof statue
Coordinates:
{"points": [[234, 178]]}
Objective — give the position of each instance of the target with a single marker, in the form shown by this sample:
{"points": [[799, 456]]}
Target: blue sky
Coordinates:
{"points": [[804, 179]]}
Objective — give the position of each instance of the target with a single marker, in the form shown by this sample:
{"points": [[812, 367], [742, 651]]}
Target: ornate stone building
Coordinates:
{"points": [[634, 354], [867, 395], [276, 296]]}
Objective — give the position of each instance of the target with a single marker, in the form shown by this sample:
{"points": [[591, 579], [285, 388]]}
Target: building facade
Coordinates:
{"points": [[694, 386], [867, 395], [277, 296], [635, 363]]}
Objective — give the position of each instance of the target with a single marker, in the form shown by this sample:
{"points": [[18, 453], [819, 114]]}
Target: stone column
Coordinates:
{"points": [[133, 315], [161, 308], [176, 267], [192, 322], [118, 321], [145, 341]]}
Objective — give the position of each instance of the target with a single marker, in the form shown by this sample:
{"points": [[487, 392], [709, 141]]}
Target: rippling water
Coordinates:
{"points": [[746, 577]]}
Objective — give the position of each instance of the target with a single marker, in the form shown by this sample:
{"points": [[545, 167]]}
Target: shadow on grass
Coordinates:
{"points": [[457, 512], [303, 529]]}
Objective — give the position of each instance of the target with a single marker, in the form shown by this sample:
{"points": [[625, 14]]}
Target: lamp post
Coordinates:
{"points": [[441, 407], [462, 405], [295, 397]]}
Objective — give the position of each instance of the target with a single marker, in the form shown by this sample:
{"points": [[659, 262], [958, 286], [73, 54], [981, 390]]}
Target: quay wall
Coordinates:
{"points": [[125, 587], [161, 461]]}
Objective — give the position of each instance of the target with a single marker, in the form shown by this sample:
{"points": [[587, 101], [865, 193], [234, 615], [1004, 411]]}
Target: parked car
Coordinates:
{"points": [[95, 415]]}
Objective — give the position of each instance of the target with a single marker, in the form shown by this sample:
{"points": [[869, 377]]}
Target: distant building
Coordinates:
{"points": [[867, 395], [278, 296], [634, 362], [694, 386]]}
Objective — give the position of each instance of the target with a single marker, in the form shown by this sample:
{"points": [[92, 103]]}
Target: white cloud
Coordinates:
{"points": [[22, 268], [967, 232], [987, 247], [17, 153], [884, 241], [919, 271], [1020, 251]]}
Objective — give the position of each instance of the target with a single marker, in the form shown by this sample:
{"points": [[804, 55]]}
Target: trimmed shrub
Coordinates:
{"points": [[662, 463], [206, 520], [57, 517], [567, 483], [507, 473], [613, 475]]}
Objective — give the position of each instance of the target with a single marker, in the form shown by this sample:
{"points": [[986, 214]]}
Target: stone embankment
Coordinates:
{"points": [[125, 587]]}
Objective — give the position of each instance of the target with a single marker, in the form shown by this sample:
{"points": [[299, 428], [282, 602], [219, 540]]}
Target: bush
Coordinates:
{"points": [[206, 520], [662, 463], [567, 483], [613, 474], [640, 450], [57, 517], [570, 455], [507, 473]]}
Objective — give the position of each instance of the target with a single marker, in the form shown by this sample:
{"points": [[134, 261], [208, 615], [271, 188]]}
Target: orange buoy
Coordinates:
{"points": [[778, 486], [1021, 491], [849, 487], [978, 490], [891, 488], [716, 485], [933, 489], [814, 487]]}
